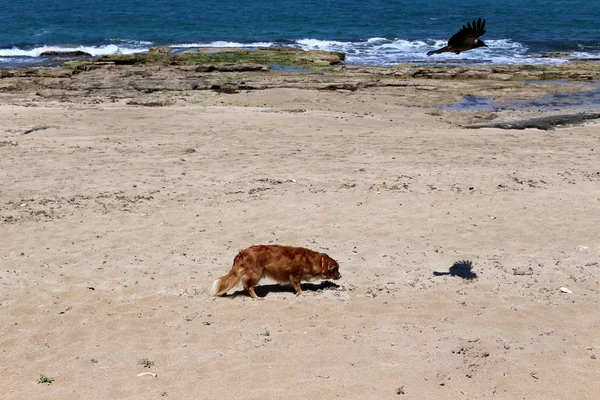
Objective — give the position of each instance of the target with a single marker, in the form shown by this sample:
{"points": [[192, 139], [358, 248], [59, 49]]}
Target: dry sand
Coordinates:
{"points": [[115, 219]]}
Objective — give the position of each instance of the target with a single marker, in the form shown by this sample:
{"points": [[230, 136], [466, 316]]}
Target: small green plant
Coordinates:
{"points": [[400, 390], [164, 394], [144, 362], [45, 379]]}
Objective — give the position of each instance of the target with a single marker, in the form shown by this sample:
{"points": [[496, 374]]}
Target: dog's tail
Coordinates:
{"points": [[229, 280], [224, 283]]}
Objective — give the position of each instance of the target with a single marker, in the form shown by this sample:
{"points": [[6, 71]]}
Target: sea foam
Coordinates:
{"points": [[371, 51], [92, 50]]}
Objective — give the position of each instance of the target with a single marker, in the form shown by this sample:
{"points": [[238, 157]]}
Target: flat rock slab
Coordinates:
{"points": [[543, 123], [74, 53]]}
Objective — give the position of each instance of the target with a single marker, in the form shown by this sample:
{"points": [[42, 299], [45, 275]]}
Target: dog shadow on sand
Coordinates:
{"points": [[263, 290], [462, 269]]}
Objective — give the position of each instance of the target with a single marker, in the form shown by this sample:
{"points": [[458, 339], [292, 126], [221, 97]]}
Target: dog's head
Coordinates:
{"points": [[331, 268]]}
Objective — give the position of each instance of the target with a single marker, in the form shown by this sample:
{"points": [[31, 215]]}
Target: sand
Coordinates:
{"points": [[116, 218]]}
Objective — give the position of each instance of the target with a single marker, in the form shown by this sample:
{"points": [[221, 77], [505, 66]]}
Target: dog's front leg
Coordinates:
{"points": [[295, 281]]}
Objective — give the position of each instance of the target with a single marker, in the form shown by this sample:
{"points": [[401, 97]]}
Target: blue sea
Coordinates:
{"points": [[371, 32]]}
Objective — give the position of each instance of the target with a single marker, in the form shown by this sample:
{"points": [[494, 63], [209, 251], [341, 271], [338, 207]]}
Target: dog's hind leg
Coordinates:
{"points": [[249, 283]]}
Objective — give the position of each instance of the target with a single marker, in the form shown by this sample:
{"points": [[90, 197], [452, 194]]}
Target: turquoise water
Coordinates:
{"points": [[376, 32]]}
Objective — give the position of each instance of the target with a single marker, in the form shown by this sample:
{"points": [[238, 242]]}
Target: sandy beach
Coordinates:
{"points": [[118, 209]]}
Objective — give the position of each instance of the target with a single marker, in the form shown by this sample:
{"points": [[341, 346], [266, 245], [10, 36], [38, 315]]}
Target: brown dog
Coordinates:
{"points": [[281, 263]]}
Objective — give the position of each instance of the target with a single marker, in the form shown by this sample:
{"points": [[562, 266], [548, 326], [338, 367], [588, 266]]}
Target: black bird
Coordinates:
{"points": [[465, 39]]}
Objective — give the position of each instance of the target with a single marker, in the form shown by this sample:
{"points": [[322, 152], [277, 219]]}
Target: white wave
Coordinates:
{"points": [[579, 54], [317, 44], [93, 50], [376, 45], [377, 40], [501, 51], [371, 51], [382, 51], [506, 44]]}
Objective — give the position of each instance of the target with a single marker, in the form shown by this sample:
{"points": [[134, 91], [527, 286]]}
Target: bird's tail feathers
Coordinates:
{"points": [[438, 51]]}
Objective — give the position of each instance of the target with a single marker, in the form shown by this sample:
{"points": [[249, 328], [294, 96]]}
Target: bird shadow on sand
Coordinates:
{"points": [[263, 290], [461, 268]]}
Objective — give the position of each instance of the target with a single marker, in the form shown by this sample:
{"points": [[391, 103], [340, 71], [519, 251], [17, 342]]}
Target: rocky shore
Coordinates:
{"points": [[166, 78]]}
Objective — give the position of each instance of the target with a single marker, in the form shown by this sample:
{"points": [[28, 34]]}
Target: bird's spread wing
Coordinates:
{"points": [[468, 34]]}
